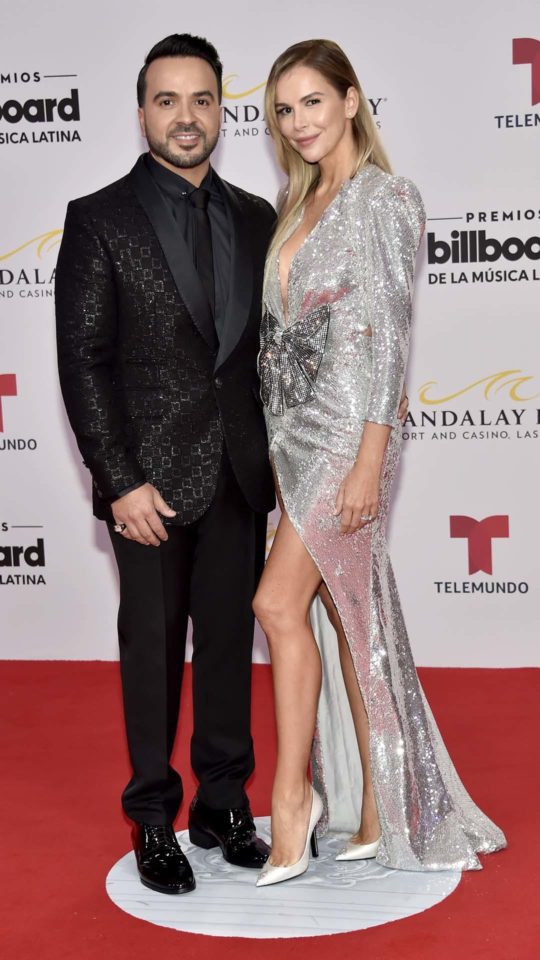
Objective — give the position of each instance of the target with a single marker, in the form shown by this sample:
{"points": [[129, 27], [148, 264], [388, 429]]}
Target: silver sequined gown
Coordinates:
{"points": [[322, 377]]}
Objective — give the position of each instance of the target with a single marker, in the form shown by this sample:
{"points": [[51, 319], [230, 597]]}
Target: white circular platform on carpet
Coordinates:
{"points": [[330, 898]]}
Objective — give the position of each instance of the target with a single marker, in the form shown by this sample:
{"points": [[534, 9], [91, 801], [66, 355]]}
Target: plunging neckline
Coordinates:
{"points": [[286, 312]]}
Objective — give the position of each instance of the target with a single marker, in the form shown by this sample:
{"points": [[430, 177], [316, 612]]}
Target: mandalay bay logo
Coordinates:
{"points": [[504, 405], [27, 270], [242, 111]]}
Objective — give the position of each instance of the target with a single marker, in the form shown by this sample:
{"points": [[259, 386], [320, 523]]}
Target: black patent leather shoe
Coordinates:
{"points": [[162, 865], [232, 829]]}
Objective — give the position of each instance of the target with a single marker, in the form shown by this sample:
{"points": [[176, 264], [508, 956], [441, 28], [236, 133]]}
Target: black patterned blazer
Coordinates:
{"points": [[150, 393]]}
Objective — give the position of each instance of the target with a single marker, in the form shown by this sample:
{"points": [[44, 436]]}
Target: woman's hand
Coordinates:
{"points": [[358, 497]]}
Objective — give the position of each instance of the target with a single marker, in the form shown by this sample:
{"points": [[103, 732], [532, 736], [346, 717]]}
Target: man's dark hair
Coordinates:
{"points": [[181, 45]]}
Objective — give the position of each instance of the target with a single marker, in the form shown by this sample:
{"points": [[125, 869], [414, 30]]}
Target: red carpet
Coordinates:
{"points": [[64, 764]]}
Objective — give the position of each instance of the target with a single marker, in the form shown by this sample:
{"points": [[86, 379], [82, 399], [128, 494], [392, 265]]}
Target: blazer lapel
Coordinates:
{"points": [[241, 288], [175, 252]]}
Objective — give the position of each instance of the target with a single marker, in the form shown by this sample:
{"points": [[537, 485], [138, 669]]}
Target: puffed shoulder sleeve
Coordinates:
{"points": [[395, 225]]}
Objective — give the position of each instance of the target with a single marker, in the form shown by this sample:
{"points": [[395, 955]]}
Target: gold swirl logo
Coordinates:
{"points": [[231, 95], [44, 243], [494, 383]]}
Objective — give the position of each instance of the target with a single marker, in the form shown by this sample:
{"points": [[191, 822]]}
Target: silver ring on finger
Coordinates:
{"points": [[367, 518], [120, 527]]}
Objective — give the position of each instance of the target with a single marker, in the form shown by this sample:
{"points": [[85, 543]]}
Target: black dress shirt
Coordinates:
{"points": [[175, 190]]}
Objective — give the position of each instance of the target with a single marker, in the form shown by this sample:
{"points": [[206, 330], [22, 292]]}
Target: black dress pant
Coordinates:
{"points": [[208, 571]]}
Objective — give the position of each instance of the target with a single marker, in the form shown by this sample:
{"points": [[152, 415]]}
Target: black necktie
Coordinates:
{"points": [[204, 259]]}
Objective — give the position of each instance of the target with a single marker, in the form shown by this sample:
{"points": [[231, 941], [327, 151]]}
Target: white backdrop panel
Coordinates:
{"points": [[457, 117]]}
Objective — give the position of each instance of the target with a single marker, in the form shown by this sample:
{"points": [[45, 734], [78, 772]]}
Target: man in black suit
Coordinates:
{"points": [[158, 294]]}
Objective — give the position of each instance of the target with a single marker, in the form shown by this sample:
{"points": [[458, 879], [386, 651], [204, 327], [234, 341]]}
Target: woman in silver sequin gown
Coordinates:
{"points": [[333, 355]]}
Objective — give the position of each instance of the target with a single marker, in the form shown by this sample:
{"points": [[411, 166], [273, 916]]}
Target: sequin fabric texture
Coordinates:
{"points": [[357, 264], [290, 359]]}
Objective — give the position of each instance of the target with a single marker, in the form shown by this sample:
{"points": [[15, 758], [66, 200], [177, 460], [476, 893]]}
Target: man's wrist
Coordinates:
{"points": [[122, 493]]}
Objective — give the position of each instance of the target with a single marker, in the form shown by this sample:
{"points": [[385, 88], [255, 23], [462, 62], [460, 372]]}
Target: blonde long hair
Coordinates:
{"points": [[330, 60]]}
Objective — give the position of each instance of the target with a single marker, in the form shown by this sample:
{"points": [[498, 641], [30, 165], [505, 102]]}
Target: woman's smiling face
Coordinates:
{"points": [[311, 113]]}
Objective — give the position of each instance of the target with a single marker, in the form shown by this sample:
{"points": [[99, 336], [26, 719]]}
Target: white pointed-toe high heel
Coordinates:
{"points": [[359, 851], [273, 874]]}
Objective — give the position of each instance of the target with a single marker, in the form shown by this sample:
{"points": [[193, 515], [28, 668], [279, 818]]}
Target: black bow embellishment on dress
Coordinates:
{"points": [[290, 358]]}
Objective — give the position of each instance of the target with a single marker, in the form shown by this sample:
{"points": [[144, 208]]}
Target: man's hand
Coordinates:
{"points": [[139, 511]]}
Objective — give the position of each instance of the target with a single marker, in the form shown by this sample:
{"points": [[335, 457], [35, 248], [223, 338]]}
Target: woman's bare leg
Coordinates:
{"points": [[369, 829], [288, 585]]}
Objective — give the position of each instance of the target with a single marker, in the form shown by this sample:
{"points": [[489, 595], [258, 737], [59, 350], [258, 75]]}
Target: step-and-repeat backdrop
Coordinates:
{"points": [[455, 91]]}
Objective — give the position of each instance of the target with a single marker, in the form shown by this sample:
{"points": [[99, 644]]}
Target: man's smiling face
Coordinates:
{"points": [[180, 117]]}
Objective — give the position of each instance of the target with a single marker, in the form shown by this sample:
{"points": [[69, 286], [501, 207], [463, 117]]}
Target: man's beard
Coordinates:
{"points": [[161, 148]]}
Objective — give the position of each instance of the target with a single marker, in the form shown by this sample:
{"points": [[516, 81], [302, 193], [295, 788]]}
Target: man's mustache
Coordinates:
{"points": [[186, 128]]}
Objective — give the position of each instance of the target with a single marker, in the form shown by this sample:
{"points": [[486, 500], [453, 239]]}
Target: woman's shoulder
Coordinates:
{"points": [[385, 194], [375, 184]]}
